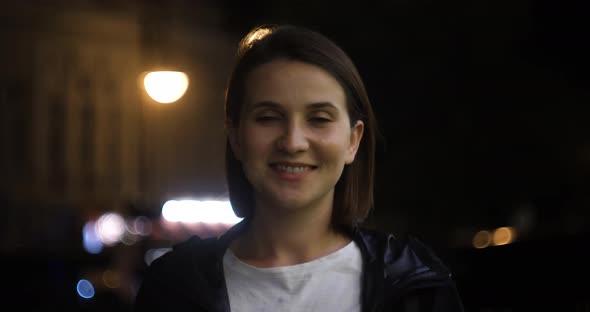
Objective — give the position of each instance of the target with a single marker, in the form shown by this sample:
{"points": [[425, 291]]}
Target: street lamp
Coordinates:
{"points": [[165, 86]]}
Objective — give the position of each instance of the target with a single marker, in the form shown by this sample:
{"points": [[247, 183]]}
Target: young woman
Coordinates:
{"points": [[300, 169]]}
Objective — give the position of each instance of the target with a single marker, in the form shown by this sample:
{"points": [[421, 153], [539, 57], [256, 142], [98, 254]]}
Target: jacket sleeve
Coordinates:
{"points": [[160, 290], [170, 284], [152, 295]]}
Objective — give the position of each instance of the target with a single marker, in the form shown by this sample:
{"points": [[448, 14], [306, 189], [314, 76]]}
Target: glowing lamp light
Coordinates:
{"points": [[165, 86], [207, 211]]}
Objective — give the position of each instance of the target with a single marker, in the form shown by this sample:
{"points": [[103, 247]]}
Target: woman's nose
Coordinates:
{"points": [[293, 139]]}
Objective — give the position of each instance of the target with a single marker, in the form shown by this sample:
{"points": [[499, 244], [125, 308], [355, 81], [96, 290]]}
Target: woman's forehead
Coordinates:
{"points": [[285, 81]]}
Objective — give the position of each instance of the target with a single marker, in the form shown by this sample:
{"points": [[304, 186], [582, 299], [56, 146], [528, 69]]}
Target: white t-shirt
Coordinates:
{"points": [[330, 283]]}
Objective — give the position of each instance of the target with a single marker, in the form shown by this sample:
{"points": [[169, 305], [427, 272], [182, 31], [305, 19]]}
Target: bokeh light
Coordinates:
{"points": [[482, 239], [110, 228], [142, 226], [90, 240], [85, 289], [208, 211], [503, 236]]}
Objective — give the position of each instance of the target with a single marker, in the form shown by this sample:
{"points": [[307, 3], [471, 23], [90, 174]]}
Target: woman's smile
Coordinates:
{"points": [[292, 171]]}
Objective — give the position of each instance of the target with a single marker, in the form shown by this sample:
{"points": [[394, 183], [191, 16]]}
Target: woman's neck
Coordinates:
{"points": [[273, 240]]}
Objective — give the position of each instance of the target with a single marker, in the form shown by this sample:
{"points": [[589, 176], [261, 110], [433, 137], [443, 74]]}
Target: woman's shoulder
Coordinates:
{"points": [[188, 271], [186, 253], [204, 252], [411, 267], [400, 254]]}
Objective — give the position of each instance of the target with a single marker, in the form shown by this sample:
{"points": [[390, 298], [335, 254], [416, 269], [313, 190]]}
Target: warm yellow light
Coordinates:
{"points": [[257, 35], [482, 239], [503, 236], [165, 86]]}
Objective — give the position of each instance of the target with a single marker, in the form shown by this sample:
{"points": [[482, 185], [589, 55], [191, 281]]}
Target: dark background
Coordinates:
{"points": [[482, 105], [483, 110]]}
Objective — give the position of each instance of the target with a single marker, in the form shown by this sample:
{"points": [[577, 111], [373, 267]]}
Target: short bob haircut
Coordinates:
{"points": [[353, 195]]}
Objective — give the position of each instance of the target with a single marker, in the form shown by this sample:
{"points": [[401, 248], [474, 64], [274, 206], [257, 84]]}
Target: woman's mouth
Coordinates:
{"points": [[292, 170]]}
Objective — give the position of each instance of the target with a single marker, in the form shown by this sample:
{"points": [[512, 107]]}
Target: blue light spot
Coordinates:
{"points": [[92, 246], [85, 289], [91, 241]]}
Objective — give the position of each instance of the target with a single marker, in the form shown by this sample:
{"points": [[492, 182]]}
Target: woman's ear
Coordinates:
{"points": [[356, 135]]}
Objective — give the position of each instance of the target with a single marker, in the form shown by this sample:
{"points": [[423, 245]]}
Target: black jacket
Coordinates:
{"points": [[399, 275]]}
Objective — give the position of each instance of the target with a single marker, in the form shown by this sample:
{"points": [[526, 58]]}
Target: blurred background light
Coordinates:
{"points": [[90, 240], [207, 211], [165, 86], [129, 238], [482, 239], [85, 289], [141, 226], [503, 236], [111, 279], [110, 228]]}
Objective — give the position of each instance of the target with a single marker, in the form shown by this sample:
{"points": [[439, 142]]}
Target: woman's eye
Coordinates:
{"points": [[266, 118], [319, 120]]}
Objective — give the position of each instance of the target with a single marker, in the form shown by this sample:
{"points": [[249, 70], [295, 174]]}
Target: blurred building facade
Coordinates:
{"points": [[79, 135]]}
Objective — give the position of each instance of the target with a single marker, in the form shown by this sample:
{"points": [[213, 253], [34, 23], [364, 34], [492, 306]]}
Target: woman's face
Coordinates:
{"points": [[294, 136]]}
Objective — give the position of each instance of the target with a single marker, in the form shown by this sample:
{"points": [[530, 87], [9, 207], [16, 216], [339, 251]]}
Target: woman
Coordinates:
{"points": [[300, 166]]}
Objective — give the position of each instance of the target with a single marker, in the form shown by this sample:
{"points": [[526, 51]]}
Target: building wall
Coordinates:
{"points": [[71, 105], [78, 134]]}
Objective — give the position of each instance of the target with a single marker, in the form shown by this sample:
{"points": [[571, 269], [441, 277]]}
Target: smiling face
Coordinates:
{"points": [[294, 136]]}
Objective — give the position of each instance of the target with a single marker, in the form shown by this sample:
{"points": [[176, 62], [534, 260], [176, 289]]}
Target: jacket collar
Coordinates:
{"points": [[395, 266]]}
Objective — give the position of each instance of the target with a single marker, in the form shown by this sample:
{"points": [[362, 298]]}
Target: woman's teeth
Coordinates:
{"points": [[290, 169]]}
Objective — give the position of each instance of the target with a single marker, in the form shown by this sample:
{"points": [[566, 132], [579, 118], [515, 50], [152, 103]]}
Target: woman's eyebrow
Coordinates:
{"points": [[275, 105], [322, 105], [263, 104]]}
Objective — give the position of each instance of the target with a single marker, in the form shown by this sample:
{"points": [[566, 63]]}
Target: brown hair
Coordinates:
{"points": [[353, 196]]}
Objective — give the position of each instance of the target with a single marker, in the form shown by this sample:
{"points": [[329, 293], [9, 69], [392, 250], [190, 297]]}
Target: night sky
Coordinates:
{"points": [[482, 106]]}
